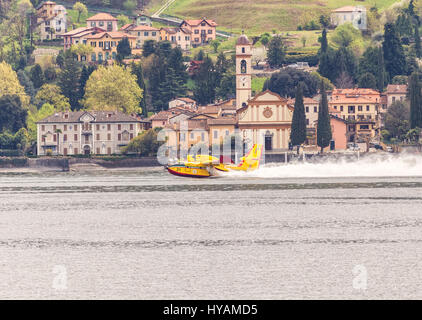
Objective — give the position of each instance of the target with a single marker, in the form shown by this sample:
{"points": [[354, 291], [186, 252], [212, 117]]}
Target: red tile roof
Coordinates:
{"points": [[112, 34], [396, 88], [194, 23], [102, 17]]}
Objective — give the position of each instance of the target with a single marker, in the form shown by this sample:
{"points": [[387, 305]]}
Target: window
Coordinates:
{"points": [[351, 109], [146, 33], [114, 55], [364, 127], [192, 135], [42, 128], [65, 151], [100, 57], [307, 109], [54, 128], [131, 136], [98, 150], [101, 23], [243, 66], [215, 134], [196, 31], [76, 127], [227, 132], [203, 24], [210, 31], [109, 127], [119, 137], [243, 50], [54, 137], [64, 137], [367, 108], [101, 44], [341, 108], [154, 33], [109, 136], [98, 137], [87, 139], [107, 55], [315, 109], [202, 136], [93, 24], [75, 137], [131, 127], [307, 122], [97, 127], [75, 151], [93, 57], [107, 45], [196, 39], [110, 26], [182, 137], [119, 127], [108, 150], [359, 108]]}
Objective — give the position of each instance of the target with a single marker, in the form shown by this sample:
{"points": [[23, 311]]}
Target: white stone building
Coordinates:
{"points": [[86, 132], [356, 15]]}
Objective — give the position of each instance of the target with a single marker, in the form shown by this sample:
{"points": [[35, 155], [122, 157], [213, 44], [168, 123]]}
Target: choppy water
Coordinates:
{"points": [[148, 235]]}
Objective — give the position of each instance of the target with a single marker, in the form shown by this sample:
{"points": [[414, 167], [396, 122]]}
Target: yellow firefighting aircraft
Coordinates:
{"points": [[203, 166]]}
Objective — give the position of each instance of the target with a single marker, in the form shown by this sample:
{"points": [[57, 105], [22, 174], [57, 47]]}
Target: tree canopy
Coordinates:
{"points": [[113, 88], [10, 85], [286, 81]]}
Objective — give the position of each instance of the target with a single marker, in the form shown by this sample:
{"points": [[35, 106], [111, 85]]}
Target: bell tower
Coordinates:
{"points": [[243, 71]]}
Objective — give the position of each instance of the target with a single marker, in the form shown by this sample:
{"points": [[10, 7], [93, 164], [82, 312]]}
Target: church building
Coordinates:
{"points": [[265, 118]]}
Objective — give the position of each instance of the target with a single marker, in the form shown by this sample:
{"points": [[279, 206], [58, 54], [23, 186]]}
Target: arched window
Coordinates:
{"points": [[100, 57], [243, 66], [93, 57], [243, 50], [114, 55], [107, 55]]}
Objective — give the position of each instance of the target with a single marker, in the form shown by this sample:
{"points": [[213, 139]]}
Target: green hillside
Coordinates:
{"points": [[257, 16]]}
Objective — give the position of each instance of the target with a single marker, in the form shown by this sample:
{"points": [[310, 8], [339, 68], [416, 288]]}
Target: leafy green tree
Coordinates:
{"points": [[12, 113], [227, 85], [380, 72], [113, 88], [81, 9], [324, 134], [286, 81], [129, 6], [35, 115], [276, 52], [215, 44], [123, 49], [298, 132], [10, 85], [345, 34], [396, 121], [123, 20], [146, 144], [200, 56], [324, 20], [37, 76], [68, 80], [395, 61], [51, 94], [367, 80], [415, 101]]}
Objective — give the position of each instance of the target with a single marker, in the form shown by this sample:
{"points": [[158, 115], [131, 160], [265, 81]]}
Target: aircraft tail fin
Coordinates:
{"points": [[252, 159]]}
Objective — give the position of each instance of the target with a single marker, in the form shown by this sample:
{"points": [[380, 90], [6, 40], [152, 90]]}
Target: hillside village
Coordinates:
{"points": [[109, 84]]}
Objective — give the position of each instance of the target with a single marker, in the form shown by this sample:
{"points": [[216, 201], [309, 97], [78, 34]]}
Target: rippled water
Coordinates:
{"points": [[148, 235]]}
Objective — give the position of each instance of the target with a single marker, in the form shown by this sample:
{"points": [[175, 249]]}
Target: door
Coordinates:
{"points": [[87, 150], [268, 143]]}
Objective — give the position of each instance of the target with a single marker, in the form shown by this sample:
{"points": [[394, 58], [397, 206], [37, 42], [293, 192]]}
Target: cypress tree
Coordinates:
{"points": [[380, 71], [205, 86], [276, 52], [68, 81], [324, 42], [138, 72], [37, 76], [418, 47], [123, 49], [324, 134], [415, 101], [395, 60], [298, 133]]}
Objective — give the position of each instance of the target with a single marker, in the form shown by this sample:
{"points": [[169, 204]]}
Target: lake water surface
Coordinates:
{"points": [[145, 234]]}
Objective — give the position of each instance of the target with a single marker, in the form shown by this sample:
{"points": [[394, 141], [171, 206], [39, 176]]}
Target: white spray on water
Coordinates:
{"points": [[404, 165]]}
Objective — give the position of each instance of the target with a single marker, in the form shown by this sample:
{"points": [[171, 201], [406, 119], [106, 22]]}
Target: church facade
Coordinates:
{"points": [[265, 118]]}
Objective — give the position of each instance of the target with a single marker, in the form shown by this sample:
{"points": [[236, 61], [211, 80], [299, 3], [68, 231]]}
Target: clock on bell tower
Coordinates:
{"points": [[243, 71]]}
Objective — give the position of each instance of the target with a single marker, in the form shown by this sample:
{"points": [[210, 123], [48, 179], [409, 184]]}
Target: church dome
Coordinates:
{"points": [[243, 41]]}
